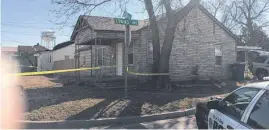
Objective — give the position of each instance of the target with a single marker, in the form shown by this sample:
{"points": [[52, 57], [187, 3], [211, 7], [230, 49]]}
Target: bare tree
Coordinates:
{"points": [[220, 9], [247, 13], [214, 6], [173, 15]]}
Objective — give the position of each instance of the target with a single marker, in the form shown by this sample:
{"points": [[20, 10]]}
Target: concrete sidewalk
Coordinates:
{"points": [[177, 123]]}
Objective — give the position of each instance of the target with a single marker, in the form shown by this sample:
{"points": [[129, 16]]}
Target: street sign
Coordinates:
{"points": [[127, 15], [126, 21]]}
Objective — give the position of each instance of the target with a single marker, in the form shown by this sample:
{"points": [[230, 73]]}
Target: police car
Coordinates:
{"points": [[245, 108]]}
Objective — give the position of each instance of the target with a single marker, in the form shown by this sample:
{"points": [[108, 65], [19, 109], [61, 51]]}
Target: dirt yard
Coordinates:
{"points": [[36, 81], [82, 102]]}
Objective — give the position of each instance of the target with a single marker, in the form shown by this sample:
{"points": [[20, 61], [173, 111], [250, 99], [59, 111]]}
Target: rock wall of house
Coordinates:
{"points": [[142, 55], [194, 44]]}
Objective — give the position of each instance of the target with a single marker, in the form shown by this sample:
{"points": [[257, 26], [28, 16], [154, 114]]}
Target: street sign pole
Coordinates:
{"points": [[127, 42], [127, 21]]}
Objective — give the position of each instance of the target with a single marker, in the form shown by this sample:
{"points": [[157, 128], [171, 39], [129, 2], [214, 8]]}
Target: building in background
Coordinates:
{"points": [[60, 57], [64, 51], [9, 53], [27, 56]]}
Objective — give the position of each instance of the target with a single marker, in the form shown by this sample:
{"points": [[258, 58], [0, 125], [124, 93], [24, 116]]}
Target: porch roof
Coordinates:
{"points": [[102, 41]]}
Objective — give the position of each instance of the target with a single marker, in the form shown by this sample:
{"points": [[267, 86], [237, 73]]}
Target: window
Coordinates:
{"points": [[236, 103], [100, 56], [50, 59], [218, 60], [259, 118], [261, 59], [66, 57], [150, 45], [131, 54], [218, 54]]}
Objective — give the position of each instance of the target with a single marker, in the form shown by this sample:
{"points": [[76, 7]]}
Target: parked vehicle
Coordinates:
{"points": [[260, 67], [245, 108]]}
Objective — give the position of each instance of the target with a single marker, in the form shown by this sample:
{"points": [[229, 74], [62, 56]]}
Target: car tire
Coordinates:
{"points": [[261, 74], [200, 123]]}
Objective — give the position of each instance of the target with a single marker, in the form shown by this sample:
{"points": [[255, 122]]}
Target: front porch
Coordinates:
{"points": [[106, 53]]}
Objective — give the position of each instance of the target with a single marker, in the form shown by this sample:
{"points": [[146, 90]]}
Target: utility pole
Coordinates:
{"points": [[126, 46]]}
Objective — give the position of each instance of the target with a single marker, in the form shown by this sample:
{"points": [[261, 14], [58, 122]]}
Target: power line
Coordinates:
{"points": [[14, 40], [25, 26], [25, 23], [28, 34]]}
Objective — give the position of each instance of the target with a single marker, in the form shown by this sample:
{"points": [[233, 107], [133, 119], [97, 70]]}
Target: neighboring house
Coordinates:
{"points": [[27, 56], [200, 40], [9, 53], [44, 61], [64, 51], [55, 58]]}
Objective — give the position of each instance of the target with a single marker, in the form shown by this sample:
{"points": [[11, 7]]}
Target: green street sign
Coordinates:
{"points": [[126, 21], [127, 15]]}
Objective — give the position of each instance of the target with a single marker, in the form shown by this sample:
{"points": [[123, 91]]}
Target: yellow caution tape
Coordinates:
{"points": [[146, 74], [55, 71], [81, 69]]}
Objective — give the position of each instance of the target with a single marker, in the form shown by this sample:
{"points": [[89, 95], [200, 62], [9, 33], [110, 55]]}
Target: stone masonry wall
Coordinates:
{"points": [[194, 44]]}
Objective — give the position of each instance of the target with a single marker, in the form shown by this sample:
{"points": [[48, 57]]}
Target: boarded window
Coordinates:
{"points": [[218, 54]]}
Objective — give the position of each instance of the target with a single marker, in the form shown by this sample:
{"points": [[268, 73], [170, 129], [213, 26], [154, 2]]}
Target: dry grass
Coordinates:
{"points": [[47, 103], [35, 81], [81, 104]]}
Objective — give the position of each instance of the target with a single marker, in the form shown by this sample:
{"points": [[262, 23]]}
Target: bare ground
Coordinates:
{"points": [[35, 81], [82, 102]]}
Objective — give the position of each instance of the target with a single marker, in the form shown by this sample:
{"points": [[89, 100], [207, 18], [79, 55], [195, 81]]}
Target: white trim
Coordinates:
{"points": [[119, 59], [251, 106]]}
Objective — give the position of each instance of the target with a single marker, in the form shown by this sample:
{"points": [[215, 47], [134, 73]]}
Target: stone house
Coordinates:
{"points": [[202, 44]]}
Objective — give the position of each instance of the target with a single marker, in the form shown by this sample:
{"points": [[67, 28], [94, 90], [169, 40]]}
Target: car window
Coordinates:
{"points": [[261, 59], [235, 104], [259, 117]]}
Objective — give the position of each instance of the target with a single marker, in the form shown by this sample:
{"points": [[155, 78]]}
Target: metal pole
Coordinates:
{"points": [[127, 41]]}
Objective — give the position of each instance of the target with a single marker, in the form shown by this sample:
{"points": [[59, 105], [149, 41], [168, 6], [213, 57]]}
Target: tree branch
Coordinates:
{"points": [[264, 9], [180, 14]]}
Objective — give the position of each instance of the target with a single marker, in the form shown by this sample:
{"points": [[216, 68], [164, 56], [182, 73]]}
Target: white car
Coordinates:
{"points": [[245, 108], [260, 67]]}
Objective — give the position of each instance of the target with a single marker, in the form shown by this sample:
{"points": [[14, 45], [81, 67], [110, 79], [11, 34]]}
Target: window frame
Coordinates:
{"points": [[253, 101], [252, 105], [218, 47], [66, 57]]}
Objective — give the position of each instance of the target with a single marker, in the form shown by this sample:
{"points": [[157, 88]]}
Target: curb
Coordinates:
{"points": [[76, 124]]}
